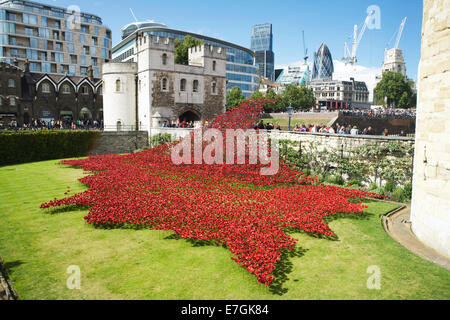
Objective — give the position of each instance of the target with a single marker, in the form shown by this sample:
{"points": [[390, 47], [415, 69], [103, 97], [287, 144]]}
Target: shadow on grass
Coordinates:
{"points": [[196, 243], [284, 268], [10, 266], [66, 209]]}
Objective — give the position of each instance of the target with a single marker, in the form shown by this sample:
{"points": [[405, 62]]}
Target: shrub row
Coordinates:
{"points": [[34, 146]]}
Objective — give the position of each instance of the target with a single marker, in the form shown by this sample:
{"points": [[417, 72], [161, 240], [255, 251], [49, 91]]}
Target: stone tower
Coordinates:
{"points": [[430, 214], [394, 61]]}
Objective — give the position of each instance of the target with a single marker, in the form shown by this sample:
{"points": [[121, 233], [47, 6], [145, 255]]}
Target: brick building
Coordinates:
{"points": [[26, 95]]}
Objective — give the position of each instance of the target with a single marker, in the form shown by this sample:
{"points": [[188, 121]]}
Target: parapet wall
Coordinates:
{"points": [[120, 142]]}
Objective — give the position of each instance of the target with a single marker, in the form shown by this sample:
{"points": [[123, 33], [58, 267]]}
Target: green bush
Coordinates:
{"points": [[389, 186], [398, 195], [355, 183], [339, 180], [34, 146], [160, 139], [408, 188]]}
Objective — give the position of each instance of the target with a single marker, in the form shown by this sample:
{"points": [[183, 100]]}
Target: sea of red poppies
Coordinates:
{"points": [[232, 205]]}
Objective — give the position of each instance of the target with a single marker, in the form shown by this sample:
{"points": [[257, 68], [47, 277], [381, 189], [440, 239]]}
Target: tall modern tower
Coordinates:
{"points": [[262, 45], [323, 64]]}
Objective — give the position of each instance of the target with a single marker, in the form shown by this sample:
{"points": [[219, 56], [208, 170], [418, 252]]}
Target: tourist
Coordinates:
{"points": [[354, 131], [261, 125], [385, 133], [296, 129]]}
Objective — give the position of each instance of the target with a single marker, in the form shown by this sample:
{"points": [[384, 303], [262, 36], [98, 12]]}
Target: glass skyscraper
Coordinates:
{"points": [[262, 45], [323, 64]]}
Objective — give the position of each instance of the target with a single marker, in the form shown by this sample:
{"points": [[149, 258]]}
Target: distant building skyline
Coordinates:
{"points": [[262, 45]]}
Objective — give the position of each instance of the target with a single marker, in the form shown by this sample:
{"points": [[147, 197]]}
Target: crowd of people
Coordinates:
{"points": [[343, 130], [382, 113], [180, 124], [40, 124]]}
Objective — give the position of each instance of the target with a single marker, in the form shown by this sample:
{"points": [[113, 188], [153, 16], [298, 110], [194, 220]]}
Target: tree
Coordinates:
{"points": [[271, 108], [396, 89], [234, 98], [301, 98], [182, 49], [256, 95]]}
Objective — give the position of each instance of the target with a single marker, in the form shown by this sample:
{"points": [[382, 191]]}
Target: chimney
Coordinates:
{"points": [[27, 66], [90, 73]]}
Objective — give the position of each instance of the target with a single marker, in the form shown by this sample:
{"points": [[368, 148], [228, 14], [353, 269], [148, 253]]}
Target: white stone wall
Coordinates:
{"points": [[431, 195], [119, 106]]}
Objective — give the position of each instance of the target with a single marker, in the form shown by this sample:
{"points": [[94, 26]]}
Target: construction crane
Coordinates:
{"points": [[400, 33], [350, 58], [306, 57]]}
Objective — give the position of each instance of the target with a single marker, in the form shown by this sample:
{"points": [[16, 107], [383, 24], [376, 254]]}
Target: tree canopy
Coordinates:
{"points": [[234, 98], [182, 49], [397, 89]]}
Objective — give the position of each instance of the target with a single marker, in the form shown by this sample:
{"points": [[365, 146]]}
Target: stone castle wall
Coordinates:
{"points": [[430, 214], [120, 142]]}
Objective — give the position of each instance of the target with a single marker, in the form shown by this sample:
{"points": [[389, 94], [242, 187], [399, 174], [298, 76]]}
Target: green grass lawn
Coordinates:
{"points": [[38, 246], [284, 123]]}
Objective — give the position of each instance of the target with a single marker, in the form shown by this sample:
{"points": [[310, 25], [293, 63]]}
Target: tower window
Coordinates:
{"points": [[195, 86], [118, 85], [183, 85], [164, 84], [164, 59]]}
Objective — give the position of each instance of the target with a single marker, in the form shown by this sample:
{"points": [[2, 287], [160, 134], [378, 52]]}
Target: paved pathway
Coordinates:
{"points": [[398, 225]]}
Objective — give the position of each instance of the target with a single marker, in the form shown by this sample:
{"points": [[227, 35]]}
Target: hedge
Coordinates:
{"points": [[34, 146]]}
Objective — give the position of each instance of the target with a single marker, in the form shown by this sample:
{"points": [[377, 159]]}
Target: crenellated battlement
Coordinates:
{"points": [[208, 51], [155, 42]]}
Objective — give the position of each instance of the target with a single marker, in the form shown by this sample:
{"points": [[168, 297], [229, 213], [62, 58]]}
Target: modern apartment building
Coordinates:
{"points": [[262, 45], [240, 68], [54, 40]]}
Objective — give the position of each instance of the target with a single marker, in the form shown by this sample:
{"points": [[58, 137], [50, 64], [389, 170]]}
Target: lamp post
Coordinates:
{"points": [[290, 111]]}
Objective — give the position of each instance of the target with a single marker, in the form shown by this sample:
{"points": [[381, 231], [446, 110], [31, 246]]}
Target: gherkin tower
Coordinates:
{"points": [[323, 64]]}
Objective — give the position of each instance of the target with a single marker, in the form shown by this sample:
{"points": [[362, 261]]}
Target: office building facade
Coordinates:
{"points": [[54, 40], [262, 45], [341, 95], [240, 69]]}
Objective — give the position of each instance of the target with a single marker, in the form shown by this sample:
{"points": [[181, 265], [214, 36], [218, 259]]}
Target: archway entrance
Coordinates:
{"points": [[190, 116], [85, 114]]}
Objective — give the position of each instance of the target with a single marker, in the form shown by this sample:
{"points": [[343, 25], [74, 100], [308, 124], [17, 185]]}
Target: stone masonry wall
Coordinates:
{"points": [[120, 142], [430, 214]]}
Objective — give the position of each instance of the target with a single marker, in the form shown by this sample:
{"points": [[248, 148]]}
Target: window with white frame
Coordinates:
{"points": [[84, 90], [66, 89], [12, 101], [11, 83], [45, 88]]}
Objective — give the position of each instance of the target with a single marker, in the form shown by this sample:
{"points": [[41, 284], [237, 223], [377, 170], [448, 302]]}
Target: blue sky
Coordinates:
{"points": [[329, 21]]}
